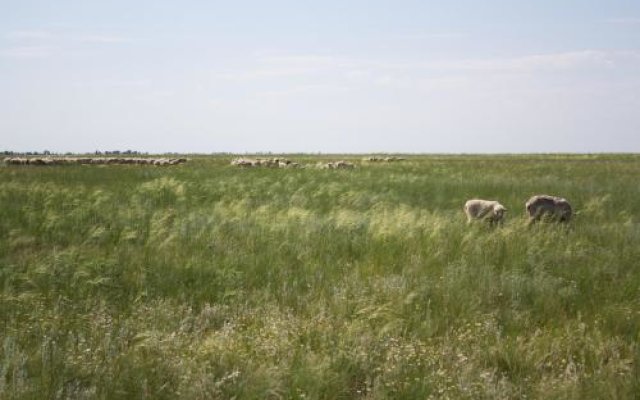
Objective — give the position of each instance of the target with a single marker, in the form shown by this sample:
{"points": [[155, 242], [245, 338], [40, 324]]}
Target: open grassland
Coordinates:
{"points": [[205, 281]]}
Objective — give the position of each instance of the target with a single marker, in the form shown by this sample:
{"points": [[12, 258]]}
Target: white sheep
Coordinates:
{"points": [[489, 210]]}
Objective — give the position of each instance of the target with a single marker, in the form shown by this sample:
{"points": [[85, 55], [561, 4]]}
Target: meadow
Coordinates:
{"points": [[208, 281]]}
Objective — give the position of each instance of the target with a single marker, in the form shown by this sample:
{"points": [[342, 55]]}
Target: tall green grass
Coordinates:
{"points": [[208, 281]]}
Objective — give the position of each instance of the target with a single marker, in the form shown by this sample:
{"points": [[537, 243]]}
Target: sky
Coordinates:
{"points": [[331, 76]]}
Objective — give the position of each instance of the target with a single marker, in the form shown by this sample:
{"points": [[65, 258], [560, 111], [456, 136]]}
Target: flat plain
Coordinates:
{"points": [[206, 280]]}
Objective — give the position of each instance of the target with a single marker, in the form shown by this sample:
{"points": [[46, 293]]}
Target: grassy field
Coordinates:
{"points": [[206, 281]]}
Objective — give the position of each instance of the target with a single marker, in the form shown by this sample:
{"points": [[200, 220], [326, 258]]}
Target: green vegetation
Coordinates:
{"points": [[206, 281]]}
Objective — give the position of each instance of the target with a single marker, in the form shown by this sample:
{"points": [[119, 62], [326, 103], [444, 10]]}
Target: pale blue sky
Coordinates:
{"points": [[322, 76]]}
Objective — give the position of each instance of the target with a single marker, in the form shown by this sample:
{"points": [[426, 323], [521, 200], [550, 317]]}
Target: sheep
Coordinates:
{"points": [[97, 161], [261, 162], [66, 161], [241, 162], [383, 159], [489, 210], [14, 161], [342, 164], [345, 164], [555, 208], [272, 162]]}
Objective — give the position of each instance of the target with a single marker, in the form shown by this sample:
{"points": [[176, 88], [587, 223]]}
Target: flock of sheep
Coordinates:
{"points": [[93, 161], [539, 206], [265, 162], [383, 159], [240, 162], [284, 163]]}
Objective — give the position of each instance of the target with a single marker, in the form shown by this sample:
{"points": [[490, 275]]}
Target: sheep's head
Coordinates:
{"points": [[499, 210]]}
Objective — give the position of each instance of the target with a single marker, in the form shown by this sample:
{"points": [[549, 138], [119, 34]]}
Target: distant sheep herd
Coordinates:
{"points": [[239, 162], [93, 161], [537, 207], [284, 163], [383, 159], [265, 162]]}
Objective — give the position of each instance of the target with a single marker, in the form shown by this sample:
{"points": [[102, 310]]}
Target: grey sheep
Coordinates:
{"points": [[555, 208]]}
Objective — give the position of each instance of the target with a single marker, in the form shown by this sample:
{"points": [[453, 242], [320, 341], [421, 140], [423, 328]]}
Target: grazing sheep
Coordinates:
{"points": [[385, 159], [95, 161], [342, 164], [261, 162], [266, 162], [241, 162], [555, 208], [489, 210]]}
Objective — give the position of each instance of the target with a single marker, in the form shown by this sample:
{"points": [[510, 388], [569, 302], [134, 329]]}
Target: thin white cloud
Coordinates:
{"points": [[303, 60], [42, 43], [26, 52], [528, 63], [114, 83], [537, 62], [388, 73], [101, 39], [47, 36], [325, 89], [624, 21], [429, 35], [285, 66], [28, 34]]}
